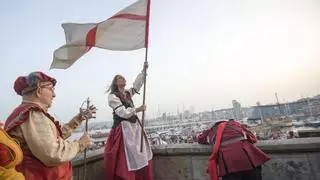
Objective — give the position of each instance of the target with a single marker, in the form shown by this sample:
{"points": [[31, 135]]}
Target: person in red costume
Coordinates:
{"points": [[234, 155], [46, 151], [122, 157]]}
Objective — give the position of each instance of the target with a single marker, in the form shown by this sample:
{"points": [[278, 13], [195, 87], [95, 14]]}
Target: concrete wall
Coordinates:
{"points": [[293, 159]]}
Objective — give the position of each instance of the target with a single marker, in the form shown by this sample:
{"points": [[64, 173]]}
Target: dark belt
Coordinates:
{"points": [[117, 120], [231, 141]]}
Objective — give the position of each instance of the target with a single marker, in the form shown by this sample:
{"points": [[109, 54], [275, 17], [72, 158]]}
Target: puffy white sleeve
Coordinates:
{"points": [[137, 84], [116, 105]]}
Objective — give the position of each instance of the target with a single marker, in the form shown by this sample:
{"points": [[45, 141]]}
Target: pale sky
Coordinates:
{"points": [[203, 54]]}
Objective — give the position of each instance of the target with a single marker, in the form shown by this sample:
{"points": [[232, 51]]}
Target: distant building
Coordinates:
{"points": [[266, 111], [237, 110], [302, 107], [224, 114]]}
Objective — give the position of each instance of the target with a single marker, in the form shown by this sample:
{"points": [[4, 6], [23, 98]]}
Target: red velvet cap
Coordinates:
{"points": [[29, 83]]}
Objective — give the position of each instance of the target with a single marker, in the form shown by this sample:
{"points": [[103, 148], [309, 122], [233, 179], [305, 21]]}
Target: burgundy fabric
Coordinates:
{"points": [[212, 161], [31, 81], [233, 129], [239, 156], [115, 162], [21, 114], [31, 167], [5, 157]]}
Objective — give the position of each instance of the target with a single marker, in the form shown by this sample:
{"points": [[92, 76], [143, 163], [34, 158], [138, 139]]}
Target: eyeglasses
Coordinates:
{"points": [[51, 88]]}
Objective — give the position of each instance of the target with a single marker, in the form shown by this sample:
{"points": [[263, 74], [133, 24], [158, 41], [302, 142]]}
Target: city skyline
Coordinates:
{"points": [[190, 111]]}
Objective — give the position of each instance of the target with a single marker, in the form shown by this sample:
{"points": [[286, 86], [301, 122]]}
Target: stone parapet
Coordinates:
{"points": [[292, 159]]}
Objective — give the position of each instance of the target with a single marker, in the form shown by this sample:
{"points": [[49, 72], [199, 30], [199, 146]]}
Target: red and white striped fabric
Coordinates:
{"points": [[126, 30]]}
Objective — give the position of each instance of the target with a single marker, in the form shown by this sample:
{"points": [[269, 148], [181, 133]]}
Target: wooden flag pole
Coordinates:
{"points": [[144, 99], [145, 71]]}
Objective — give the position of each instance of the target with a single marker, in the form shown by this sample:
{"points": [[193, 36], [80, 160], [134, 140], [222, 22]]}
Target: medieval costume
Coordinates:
{"points": [[122, 157], [234, 154], [46, 152], [10, 156]]}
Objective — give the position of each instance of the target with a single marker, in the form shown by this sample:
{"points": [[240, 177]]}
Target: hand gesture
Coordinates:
{"points": [[85, 140], [88, 113]]}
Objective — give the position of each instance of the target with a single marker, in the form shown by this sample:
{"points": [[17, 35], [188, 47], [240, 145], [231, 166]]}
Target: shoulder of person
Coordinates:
{"points": [[112, 96]]}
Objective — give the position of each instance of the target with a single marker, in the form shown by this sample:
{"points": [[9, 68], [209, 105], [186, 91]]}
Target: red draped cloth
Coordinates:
{"points": [[31, 167], [34, 169], [241, 155], [115, 162], [5, 155], [212, 161]]}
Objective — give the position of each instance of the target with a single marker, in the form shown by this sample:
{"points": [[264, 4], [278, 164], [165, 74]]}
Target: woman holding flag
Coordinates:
{"points": [[122, 157], [126, 30]]}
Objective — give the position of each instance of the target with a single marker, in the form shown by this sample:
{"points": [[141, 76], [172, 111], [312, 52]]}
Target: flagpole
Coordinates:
{"points": [[144, 98], [145, 71]]}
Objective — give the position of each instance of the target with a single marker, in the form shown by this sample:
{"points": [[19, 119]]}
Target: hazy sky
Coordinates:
{"points": [[202, 53]]}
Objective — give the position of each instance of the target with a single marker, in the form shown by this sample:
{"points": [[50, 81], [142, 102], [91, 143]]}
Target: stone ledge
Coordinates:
{"points": [[298, 145], [268, 146], [92, 157], [288, 146]]}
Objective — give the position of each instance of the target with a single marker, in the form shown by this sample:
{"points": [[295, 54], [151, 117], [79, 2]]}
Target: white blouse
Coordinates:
{"points": [[115, 102]]}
